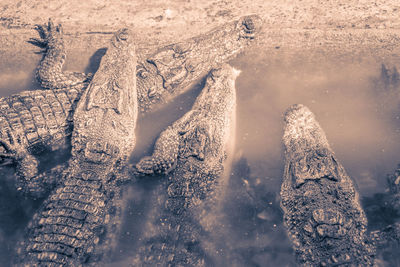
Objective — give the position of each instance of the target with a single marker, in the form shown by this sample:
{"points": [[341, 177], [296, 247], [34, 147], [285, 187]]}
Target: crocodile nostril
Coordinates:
{"points": [[152, 92], [142, 74]]}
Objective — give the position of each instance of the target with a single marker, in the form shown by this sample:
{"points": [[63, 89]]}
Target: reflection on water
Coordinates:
{"points": [[355, 103], [13, 81]]}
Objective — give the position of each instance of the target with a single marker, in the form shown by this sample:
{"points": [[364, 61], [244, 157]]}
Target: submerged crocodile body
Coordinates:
{"points": [[387, 239], [193, 151], [322, 212], [394, 189], [34, 121], [77, 223]]}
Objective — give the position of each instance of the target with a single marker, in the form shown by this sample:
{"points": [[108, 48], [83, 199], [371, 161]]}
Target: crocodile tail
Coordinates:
{"points": [[70, 226]]}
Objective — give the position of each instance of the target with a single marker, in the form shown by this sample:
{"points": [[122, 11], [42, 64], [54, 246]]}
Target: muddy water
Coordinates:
{"points": [[355, 102], [358, 114]]}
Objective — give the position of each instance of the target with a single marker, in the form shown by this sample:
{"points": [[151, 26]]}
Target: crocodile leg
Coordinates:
{"points": [[166, 149], [38, 185], [16, 149], [28, 179], [162, 74], [164, 155], [49, 72]]}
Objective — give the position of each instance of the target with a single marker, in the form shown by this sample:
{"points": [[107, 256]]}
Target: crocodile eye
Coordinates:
{"points": [[116, 84], [177, 49], [123, 34], [152, 92], [142, 74]]}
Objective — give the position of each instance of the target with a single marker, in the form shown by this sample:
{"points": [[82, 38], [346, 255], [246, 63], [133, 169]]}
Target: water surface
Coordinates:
{"points": [[356, 103]]}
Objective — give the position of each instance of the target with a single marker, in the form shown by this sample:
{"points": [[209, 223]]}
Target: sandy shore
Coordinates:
{"points": [[338, 26]]}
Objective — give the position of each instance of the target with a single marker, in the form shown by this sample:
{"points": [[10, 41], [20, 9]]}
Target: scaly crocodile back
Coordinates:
{"points": [[77, 224], [201, 139], [40, 119], [71, 223]]}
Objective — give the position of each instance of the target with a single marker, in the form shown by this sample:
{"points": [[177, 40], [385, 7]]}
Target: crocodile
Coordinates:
{"points": [[322, 211], [393, 181], [77, 223], [36, 121], [163, 73], [193, 153], [387, 238]]}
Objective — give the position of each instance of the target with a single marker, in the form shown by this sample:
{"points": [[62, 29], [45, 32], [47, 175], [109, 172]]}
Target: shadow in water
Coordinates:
{"points": [[381, 214], [94, 60], [15, 213], [255, 234]]}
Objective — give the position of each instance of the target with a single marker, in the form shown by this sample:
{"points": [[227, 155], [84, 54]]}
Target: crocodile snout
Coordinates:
{"points": [[302, 132], [297, 112]]}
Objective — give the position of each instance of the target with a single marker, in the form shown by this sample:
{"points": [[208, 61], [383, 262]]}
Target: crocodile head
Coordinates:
{"points": [[218, 94], [322, 211], [306, 147], [171, 69], [208, 134], [111, 80]]}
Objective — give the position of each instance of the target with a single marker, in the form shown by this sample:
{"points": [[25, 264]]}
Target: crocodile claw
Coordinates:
{"points": [[46, 32], [41, 30], [15, 151], [8, 150], [37, 42]]}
